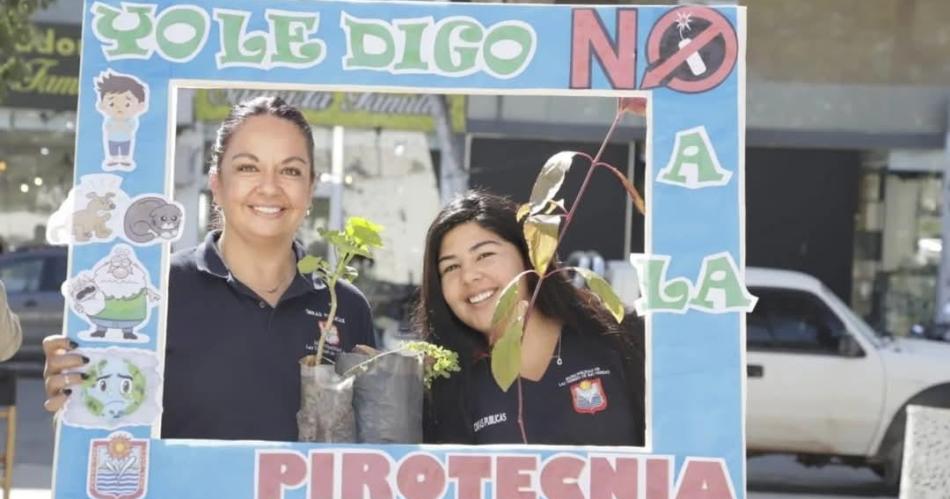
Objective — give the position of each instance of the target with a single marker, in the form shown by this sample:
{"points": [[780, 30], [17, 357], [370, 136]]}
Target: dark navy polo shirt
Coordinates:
{"points": [[584, 401], [231, 360]]}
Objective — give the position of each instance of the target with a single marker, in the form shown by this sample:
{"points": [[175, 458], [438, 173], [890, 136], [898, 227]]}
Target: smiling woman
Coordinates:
{"points": [[240, 316], [582, 375]]}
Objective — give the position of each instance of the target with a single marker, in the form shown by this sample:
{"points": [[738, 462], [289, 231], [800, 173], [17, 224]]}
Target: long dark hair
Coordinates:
{"points": [[578, 309]]}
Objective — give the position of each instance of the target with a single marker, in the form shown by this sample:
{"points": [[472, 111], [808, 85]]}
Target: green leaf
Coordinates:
{"points": [[550, 179], [602, 289], [364, 233], [350, 273], [506, 303], [308, 264], [540, 232], [506, 354]]}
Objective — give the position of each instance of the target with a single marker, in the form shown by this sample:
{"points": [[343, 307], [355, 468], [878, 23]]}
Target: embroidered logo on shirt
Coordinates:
{"points": [[490, 420], [333, 336], [588, 396]]}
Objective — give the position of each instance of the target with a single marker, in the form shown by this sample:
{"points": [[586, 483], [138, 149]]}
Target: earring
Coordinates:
{"points": [[308, 211]]}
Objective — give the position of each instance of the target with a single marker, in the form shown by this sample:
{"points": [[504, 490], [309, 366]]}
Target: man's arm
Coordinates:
{"points": [[11, 335]]}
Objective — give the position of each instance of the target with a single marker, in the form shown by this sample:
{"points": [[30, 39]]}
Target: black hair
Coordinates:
{"points": [[579, 309], [260, 106]]}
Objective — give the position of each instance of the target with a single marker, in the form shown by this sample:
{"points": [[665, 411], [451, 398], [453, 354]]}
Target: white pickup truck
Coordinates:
{"points": [[824, 385]]}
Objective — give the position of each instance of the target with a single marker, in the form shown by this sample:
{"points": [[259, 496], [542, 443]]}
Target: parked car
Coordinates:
{"points": [[33, 278], [824, 385]]}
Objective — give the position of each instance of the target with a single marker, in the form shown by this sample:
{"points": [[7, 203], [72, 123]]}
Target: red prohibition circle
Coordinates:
{"points": [[719, 26]]}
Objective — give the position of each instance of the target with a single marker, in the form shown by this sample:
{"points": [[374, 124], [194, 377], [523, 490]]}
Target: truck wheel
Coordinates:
{"points": [[893, 460]]}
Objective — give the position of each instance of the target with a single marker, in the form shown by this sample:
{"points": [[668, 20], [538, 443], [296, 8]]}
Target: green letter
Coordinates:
{"points": [[122, 44], [658, 294], [720, 274], [237, 47], [412, 49], [693, 151], [176, 41], [506, 62], [358, 54], [465, 50], [290, 30]]}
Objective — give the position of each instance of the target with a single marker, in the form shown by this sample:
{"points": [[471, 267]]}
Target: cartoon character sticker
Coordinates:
{"points": [[588, 396], [98, 210], [122, 99], [115, 297], [121, 389], [118, 467], [91, 213], [153, 218]]}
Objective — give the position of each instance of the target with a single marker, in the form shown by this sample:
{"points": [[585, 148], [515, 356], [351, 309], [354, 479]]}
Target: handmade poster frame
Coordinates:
{"points": [[688, 61]]}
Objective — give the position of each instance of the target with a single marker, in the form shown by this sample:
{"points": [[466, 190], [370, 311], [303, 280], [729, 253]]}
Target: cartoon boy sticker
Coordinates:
{"points": [[122, 99]]}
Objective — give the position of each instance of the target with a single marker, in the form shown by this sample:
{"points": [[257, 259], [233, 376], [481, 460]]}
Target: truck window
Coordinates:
{"points": [[793, 321]]}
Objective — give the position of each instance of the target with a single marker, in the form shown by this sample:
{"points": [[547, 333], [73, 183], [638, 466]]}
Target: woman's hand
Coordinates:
{"points": [[59, 373]]}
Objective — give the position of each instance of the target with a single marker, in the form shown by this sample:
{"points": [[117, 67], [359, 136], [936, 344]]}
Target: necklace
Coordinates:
{"points": [[275, 288]]}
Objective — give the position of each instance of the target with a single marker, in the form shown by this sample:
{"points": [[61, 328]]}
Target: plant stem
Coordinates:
{"points": [[567, 222], [590, 173], [352, 371], [631, 189], [331, 317]]}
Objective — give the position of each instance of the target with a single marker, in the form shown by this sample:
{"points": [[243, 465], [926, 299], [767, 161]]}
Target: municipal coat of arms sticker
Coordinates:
{"points": [[118, 467]]}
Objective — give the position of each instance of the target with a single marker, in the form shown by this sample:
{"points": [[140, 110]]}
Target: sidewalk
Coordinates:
{"points": [[33, 460]]}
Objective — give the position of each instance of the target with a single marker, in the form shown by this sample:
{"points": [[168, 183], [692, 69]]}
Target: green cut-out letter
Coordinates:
{"points": [[464, 50], [694, 164], [175, 41], [292, 45], [238, 48], [720, 288], [412, 53], [508, 63], [123, 43], [361, 37], [658, 294]]}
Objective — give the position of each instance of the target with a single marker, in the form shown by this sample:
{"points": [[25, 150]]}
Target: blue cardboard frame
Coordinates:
{"points": [[691, 274]]}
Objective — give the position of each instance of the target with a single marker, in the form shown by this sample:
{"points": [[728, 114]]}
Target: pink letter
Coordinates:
{"points": [[321, 475], [421, 476], [512, 475], [590, 37], [608, 481], [277, 470], [366, 470], [559, 478], [469, 472], [704, 480], [658, 478]]}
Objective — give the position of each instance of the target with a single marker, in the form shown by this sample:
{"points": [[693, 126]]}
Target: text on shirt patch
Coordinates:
{"points": [[490, 420], [588, 396], [585, 374], [323, 315]]}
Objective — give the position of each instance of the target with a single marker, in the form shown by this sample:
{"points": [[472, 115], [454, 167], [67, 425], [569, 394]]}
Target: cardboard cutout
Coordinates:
{"points": [[689, 61]]}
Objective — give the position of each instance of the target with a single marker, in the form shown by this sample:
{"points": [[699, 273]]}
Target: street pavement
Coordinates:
{"points": [[770, 477]]}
